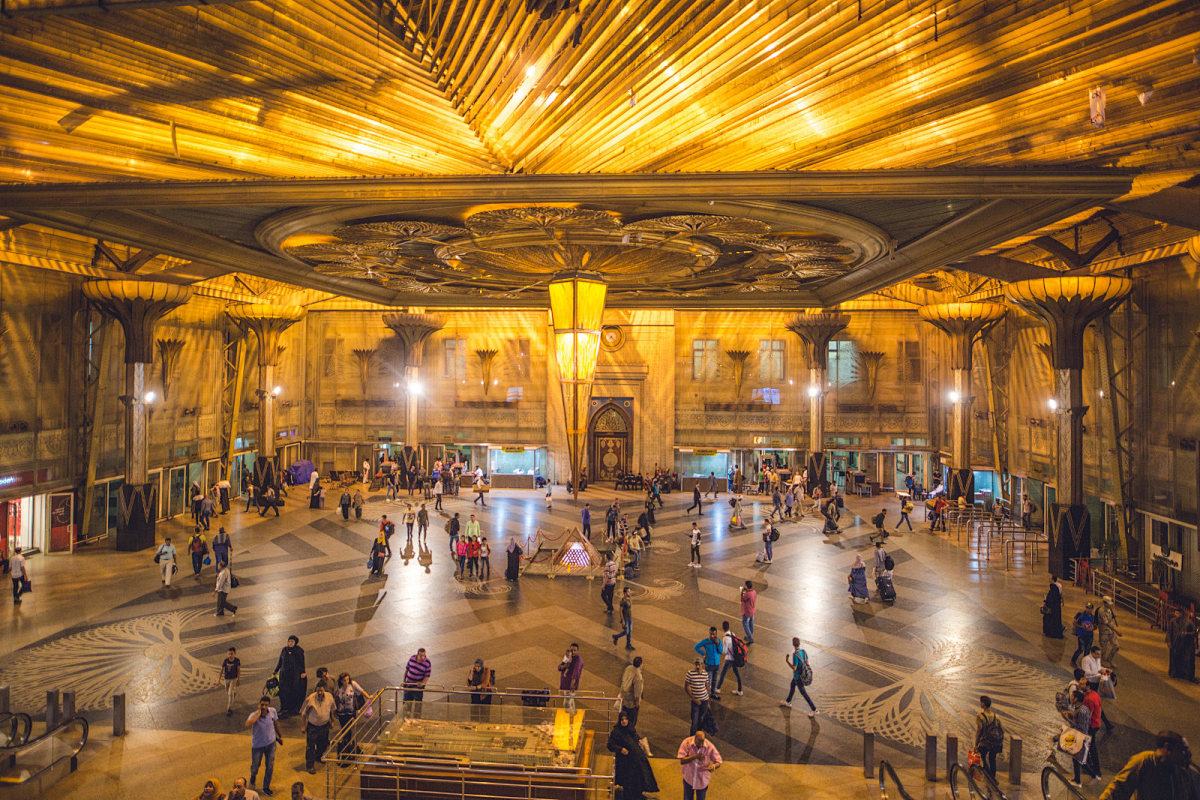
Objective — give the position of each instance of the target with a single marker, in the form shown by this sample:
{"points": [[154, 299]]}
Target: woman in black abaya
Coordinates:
{"points": [[293, 679], [513, 571], [632, 771], [1052, 625]]}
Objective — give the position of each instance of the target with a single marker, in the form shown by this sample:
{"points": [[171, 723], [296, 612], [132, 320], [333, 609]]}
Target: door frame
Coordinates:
{"points": [[590, 459]]}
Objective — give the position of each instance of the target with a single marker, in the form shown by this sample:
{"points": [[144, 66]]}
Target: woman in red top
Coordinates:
{"points": [[473, 560]]}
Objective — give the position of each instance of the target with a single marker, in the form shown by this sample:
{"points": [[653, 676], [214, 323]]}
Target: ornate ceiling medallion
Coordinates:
{"points": [[397, 233], [540, 218], [340, 251], [720, 227]]}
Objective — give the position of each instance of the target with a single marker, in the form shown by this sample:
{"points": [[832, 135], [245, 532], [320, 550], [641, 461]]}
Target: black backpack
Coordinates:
{"points": [[739, 653], [991, 735], [889, 563]]}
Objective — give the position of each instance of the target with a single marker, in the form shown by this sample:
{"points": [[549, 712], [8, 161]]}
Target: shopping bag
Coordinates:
{"points": [[1106, 688]]}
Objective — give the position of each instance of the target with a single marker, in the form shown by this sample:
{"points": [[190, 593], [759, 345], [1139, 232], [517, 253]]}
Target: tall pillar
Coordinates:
{"points": [[412, 329], [1067, 306], [138, 306], [816, 329], [268, 323], [964, 323]]}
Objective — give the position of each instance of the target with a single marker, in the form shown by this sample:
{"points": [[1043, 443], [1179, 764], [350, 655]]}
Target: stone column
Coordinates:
{"points": [[268, 322], [138, 306], [964, 323], [412, 329], [816, 329], [1067, 305]]}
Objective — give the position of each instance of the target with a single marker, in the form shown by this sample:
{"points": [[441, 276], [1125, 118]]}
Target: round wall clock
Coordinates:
{"points": [[612, 337]]}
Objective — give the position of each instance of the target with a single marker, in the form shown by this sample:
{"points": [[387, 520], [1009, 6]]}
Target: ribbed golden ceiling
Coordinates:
{"points": [[506, 252], [337, 88]]}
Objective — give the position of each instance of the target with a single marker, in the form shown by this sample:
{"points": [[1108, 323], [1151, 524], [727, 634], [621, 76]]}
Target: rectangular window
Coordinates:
{"points": [[332, 346], [909, 359], [770, 360], [841, 363], [523, 361], [704, 359], [454, 358]]}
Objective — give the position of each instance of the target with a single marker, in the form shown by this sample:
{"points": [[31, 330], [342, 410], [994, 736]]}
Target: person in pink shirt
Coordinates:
{"points": [[749, 601], [699, 759]]}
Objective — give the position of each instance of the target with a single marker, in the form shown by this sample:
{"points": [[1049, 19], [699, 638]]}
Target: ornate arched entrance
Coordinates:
{"points": [[609, 442]]}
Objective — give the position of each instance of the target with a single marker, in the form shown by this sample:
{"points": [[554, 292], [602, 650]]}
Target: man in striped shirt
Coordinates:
{"points": [[695, 683], [416, 675]]}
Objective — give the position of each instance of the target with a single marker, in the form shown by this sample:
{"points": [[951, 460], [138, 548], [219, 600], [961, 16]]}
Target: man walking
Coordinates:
{"points": [[416, 675], [695, 684], [586, 517], [570, 669], [632, 685], [733, 653], [19, 572], [695, 542], [610, 522], [264, 738], [712, 486], [224, 584], [610, 586], [317, 716], [710, 649], [453, 526], [423, 524], [749, 600], [696, 504], [626, 620], [776, 504], [231, 678], [878, 522], [473, 532], [798, 661], [699, 759]]}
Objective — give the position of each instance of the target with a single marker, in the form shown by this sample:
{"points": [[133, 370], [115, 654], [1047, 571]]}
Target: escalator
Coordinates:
{"points": [[14, 729], [1056, 785], [886, 771], [30, 766]]}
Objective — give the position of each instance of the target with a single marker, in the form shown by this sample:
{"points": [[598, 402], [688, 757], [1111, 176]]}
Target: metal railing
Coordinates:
{"points": [[32, 759], [1051, 774], [15, 728], [985, 787], [886, 770], [1024, 538], [1146, 604], [362, 761]]}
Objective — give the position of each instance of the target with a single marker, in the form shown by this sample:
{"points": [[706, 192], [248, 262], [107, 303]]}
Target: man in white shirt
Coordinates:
{"points": [[317, 715], [1091, 666], [241, 791], [19, 572]]}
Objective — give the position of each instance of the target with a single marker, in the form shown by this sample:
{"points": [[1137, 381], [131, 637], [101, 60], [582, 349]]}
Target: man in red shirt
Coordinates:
{"points": [[1091, 699], [749, 609]]}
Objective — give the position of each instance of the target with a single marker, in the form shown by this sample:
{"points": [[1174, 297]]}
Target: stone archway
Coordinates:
{"points": [[610, 442]]}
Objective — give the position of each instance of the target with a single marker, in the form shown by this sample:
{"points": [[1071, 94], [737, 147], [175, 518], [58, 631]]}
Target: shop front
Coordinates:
{"points": [[516, 466], [38, 521], [696, 465]]}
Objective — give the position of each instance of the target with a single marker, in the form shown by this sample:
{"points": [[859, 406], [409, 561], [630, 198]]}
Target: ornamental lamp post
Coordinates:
{"points": [[576, 308]]}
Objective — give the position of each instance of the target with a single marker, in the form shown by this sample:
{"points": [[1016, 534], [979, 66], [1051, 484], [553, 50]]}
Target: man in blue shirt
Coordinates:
{"points": [[264, 737], [710, 648], [586, 517]]}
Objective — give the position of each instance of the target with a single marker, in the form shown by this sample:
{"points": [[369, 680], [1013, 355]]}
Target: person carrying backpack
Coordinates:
{"points": [[733, 650], [906, 507], [989, 735]]}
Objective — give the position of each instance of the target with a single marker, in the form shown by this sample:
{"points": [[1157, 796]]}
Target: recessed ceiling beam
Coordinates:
{"points": [[99, 6], [1098, 187], [1177, 205]]}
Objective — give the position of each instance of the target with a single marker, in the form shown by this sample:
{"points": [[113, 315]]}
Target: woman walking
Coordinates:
{"points": [[1052, 624], [293, 678], [631, 767], [358, 503], [512, 572], [348, 698], [858, 580]]}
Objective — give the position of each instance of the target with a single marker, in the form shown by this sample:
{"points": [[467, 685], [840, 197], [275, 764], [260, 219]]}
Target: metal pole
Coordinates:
{"points": [[5, 697], [52, 718], [118, 710], [951, 752], [68, 705], [868, 754], [1015, 747], [930, 757]]}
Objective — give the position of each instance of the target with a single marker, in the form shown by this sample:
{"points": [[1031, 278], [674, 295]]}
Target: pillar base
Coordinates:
{"points": [[962, 484], [135, 516], [817, 476], [1070, 536], [265, 473]]}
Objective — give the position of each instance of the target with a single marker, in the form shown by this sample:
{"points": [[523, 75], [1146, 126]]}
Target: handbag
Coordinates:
{"points": [[207, 561], [26, 586], [1107, 688], [1074, 743], [233, 581], [368, 711], [1045, 610], [645, 743], [158, 557], [616, 706]]}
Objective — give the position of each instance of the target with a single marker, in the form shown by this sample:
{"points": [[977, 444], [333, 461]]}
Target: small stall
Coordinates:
{"points": [[516, 466], [696, 465]]}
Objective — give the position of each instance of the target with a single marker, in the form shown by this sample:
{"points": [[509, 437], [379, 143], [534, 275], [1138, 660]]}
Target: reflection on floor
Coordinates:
{"points": [[99, 623]]}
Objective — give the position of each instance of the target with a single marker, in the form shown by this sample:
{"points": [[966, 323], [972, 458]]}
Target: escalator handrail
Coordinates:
{"points": [[973, 789], [885, 768], [957, 769], [17, 718], [994, 789], [1053, 770]]}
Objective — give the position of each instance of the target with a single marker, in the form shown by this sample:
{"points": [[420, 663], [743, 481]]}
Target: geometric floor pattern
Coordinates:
{"points": [[960, 628]]}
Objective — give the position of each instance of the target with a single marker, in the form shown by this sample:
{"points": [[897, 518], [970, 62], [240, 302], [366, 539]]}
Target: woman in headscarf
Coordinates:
{"points": [[513, 571], [632, 771], [858, 580], [314, 494], [1184, 650], [293, 679], [212, 790], [357, 502], [1052, 624]]}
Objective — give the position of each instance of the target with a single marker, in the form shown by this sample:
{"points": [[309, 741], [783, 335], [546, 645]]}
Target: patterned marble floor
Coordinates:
{"points": [[99, 623]]}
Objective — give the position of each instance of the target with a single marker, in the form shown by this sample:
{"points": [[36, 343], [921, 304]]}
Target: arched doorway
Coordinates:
{"points": [[609, 442]]}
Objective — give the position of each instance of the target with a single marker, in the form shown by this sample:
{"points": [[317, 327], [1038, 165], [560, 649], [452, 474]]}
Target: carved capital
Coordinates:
{"points": [[138, 306]]}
